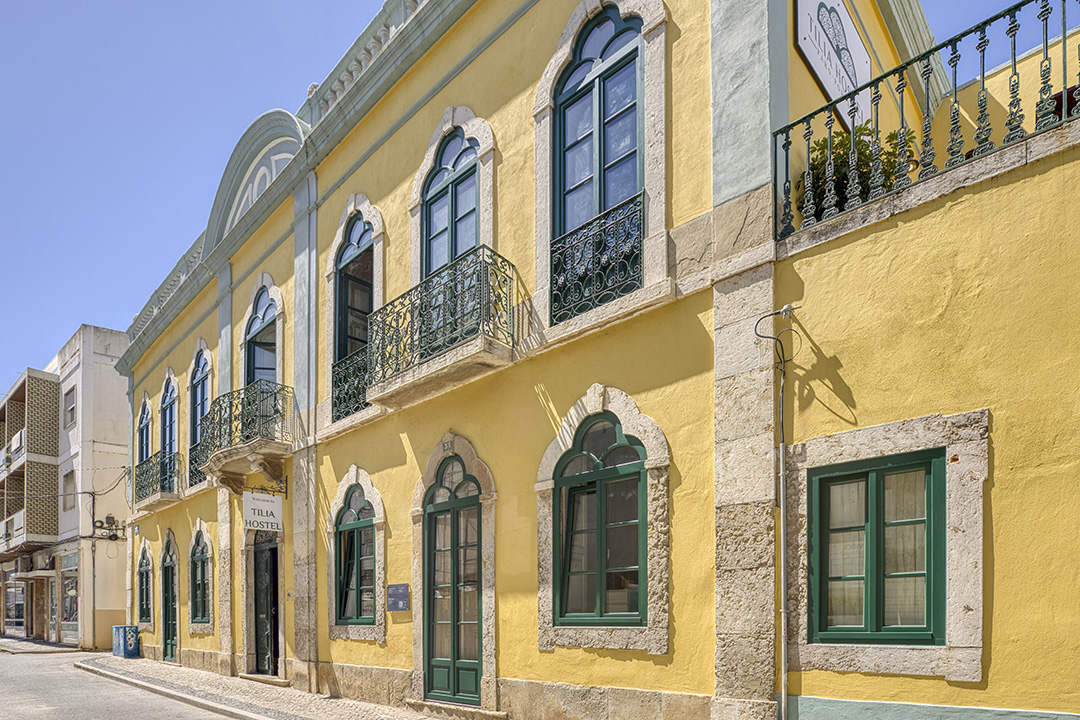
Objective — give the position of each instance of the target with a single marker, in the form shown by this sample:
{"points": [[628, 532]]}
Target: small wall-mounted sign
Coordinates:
{"points": [[263, 512], [136, 529], [835, 52], [397, 597]]}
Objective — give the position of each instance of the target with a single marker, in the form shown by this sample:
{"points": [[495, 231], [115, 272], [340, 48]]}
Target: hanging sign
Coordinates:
{"points": [[263, 512], [835, 52]]}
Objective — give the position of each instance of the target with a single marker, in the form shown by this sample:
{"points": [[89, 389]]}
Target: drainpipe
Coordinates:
{"points": [[787, 311]]}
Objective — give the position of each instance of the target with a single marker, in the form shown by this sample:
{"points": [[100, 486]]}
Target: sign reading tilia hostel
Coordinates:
{"points": [[263, 512], [827, 38]]}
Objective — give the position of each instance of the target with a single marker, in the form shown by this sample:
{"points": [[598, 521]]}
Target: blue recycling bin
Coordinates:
{"points": [[125, 641]]}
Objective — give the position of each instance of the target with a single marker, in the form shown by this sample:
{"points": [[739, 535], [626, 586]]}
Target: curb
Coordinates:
{"points": [[213, 707]]}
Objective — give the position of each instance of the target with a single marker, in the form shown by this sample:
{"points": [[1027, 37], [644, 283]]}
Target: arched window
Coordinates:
{"points": [[355, 550], [146, 588], [200, 580], [144, 434], [200, 395], [261, 339], [354, 291], [598, 126], [600, 514], [168, 420], [450, 226]]}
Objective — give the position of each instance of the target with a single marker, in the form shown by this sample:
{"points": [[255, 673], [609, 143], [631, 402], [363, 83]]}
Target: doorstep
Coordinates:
{"points": [[451, 711], [266, 679]]}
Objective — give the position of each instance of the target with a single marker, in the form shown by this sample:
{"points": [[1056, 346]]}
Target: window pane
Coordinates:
{"points": [[622, 500], [578, 206], [847, 504], [367, 572], [846, 553], [450, 151], [348, 607], [620, 455], [845, 602], [442, 604], [452, 474], [466, 489], [358, 326], [905, 601], [578, 120], [581, 595], [620, 136], [359, 296], [578, 465], [441, 646], [467, 565], [620, 89], [441, 494], [465, 229], [599, 36], [621, 40], [598, 438], [905, 495], [578, 75], [442, 530], [905, 548], [584, 510], [467, 155], [439, 214], [367, 603], [467, 642], [620, 182], [583, 551], [438, 250], [467, 602], [578, 163], [622, 546], [465, 192], [467, 527], [622, 592], [442, 568]]}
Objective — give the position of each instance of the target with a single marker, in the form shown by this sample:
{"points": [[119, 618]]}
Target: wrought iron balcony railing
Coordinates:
{"points": [[840, 169], [599, 261], [351, 377], [262, 410], [196, 457], [473, 295], [157, 474]]}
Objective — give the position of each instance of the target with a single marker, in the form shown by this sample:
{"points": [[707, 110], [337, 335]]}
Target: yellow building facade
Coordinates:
{"points": [[475, 395]]}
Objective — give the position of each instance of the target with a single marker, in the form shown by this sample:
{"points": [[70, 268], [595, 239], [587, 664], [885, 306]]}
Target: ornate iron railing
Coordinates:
{"points": [[351, 377], [196, 457], [262, 410], [157, 474], [848, 166], [473, 295], [599, 261]]}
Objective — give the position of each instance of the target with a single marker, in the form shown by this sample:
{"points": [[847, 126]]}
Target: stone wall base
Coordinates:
{"points": [[209, 660], [150, 652], [302, 674], [379, 685]]}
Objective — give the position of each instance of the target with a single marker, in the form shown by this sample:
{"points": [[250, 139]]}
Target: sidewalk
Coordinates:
{"points": [[33, 647], [236, 697]]}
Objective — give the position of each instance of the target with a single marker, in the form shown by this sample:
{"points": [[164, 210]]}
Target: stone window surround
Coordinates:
{"points": [[653, 638], [376, 632], [206, 628], [265, 281], [654, 59], [474, 128], [453, 444], [200, 347], [170, 538], [965, 439], [144, 547]]}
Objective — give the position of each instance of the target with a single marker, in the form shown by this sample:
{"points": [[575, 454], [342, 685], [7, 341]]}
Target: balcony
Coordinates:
{"points": [[857, 150], [351, 377], [598, 262], [455, 326], [156, 481], [248, 431], [196, 459]]}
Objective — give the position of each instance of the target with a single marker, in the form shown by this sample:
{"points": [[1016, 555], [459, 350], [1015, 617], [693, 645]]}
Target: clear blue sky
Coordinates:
{"points": [[120, 117]]}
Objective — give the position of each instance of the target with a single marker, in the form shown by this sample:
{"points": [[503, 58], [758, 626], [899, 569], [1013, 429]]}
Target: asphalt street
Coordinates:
{"points": [[48, 687]]}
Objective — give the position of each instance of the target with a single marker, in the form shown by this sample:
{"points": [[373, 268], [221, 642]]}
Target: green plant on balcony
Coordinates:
{"points": [[841, 156]]}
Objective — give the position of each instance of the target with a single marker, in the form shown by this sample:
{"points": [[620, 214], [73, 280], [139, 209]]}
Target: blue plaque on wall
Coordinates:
{"points": [[397, 597]]}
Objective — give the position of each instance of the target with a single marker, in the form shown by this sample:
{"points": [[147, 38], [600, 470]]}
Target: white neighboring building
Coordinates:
{"points": [[64, 496]]}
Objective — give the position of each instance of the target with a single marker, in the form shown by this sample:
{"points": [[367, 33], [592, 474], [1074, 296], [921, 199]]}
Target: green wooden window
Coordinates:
{"points": [[877, 550], [355, 547], [168, 419], [450, 226], [146, 588], [144, 450], [261, 335], [200, 395], [600, 527], [598, 124], [200, 580], [354, 293]]}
